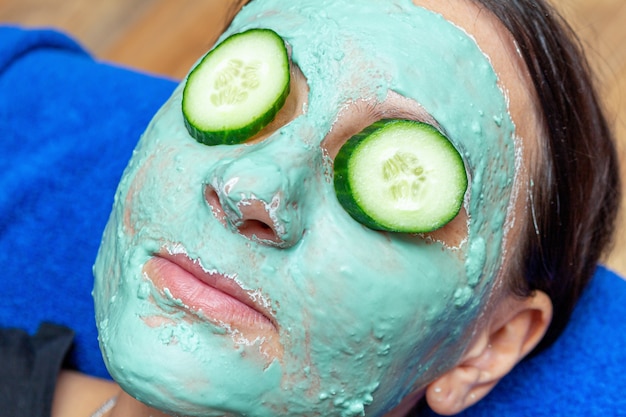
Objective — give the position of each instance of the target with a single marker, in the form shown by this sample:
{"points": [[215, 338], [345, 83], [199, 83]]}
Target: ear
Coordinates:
{"points": [[514, 329]]}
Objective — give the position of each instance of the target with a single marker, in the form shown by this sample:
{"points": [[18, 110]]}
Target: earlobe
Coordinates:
{"points": [[515, 327]]}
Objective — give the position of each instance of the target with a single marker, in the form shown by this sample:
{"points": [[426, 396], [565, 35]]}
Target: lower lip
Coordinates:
{"points": [[207, 301]]}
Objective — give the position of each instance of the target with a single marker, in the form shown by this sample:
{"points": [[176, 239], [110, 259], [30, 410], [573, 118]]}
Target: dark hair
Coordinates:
{"points": [[575, 196]]}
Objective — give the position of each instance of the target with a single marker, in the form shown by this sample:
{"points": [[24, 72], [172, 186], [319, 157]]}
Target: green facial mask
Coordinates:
{"points": [[363, 317]]}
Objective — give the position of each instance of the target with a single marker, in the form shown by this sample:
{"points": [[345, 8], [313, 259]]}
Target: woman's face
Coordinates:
{"points": [[231, 281]]}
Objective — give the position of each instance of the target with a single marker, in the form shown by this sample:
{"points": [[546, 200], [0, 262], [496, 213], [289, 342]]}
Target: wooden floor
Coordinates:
{"points": [[166, 36]]}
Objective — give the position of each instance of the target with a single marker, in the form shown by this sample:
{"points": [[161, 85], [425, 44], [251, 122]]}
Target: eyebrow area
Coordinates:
{"points": [[357, 115]]}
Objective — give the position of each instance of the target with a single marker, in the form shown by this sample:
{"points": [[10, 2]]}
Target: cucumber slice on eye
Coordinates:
{"points": [[237, 88], [400, 176]]}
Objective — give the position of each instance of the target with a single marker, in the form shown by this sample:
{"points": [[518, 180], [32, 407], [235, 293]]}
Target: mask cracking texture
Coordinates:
{"points": [[363, 316]]}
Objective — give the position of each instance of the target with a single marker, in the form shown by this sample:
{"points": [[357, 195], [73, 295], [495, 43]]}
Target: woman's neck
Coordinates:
{"points": [[79, 395], [128, 406]]}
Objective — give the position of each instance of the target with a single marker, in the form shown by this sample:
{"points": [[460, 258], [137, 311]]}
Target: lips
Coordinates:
{"points": [[212, 295]]}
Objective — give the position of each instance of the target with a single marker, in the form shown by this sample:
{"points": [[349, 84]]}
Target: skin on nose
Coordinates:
{"points": [[256, 198]]}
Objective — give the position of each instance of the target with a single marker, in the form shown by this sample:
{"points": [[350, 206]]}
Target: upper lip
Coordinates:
{"points": [[221, 282]]}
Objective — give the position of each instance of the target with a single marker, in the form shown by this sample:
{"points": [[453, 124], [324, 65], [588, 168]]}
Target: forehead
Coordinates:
{"points": [[362, 50]]}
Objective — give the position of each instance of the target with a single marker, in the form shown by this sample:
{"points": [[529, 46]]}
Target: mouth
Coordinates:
{"points": [[211, 295]]}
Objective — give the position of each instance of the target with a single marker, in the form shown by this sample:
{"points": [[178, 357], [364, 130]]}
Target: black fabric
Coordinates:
{"points": [[29, 367]]}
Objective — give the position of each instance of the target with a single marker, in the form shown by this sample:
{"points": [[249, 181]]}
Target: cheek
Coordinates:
{"points": [[165, 187], [375, 305], [137, 184]]}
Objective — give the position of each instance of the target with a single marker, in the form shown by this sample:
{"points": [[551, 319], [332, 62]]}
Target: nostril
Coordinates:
{"points": [[257, 229], [256, 222], [213, 200]]}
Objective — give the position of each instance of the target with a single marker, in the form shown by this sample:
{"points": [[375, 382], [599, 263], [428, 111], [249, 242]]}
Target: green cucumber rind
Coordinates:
{"points": [[231, 136], [343, 187], [346, 194]]}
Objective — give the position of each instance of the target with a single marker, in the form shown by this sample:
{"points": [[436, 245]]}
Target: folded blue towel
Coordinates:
{"points": [[68, 125]]}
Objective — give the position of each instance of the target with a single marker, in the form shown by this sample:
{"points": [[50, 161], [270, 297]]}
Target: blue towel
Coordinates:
{"points": [[68, 125]]}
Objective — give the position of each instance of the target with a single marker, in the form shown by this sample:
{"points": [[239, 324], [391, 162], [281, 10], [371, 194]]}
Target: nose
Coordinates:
{"points": [[259, 197]]}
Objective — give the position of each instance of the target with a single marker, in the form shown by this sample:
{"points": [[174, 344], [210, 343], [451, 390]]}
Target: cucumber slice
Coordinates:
{"points": [[400, 176], [237, 88]]}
